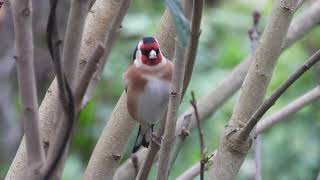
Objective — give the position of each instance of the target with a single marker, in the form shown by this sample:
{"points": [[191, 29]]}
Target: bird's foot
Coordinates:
{"points": [[156, 139]]}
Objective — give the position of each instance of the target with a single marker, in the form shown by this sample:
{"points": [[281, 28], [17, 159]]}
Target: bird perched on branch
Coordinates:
{"points": [[147, 83]]}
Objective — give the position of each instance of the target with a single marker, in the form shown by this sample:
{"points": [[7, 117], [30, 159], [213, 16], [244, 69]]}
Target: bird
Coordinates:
{"points": [[147, 83]]}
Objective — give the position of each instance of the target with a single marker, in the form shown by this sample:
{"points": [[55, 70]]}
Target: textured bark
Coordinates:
{"points": [[22, 15], [303, 23], [70, 60], [130, 169], [96, 25], [111, 144], [232, 150], [172, 114]]}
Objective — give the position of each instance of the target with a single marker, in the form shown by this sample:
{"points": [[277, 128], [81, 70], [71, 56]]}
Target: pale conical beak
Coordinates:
{"points": [[152, 54]]}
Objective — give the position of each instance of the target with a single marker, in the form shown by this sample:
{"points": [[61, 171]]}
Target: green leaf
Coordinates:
{"points": [[181, 22]]}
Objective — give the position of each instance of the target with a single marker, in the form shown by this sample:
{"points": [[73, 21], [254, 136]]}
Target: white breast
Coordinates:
{"points": [[153, 102]]}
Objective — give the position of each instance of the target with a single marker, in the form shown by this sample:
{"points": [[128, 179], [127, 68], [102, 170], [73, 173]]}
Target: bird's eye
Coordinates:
{"points": [[144, 51], [157, 51]]}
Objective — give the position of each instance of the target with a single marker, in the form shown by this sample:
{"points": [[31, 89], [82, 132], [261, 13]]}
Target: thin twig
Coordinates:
{"points": [[266, 105], [257, 153], [22, 14], [195, 170], [302, 101], [202, 146], [192, 48]]}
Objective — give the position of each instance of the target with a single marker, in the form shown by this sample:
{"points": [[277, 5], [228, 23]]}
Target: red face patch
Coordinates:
{"points": [[145, 50]]}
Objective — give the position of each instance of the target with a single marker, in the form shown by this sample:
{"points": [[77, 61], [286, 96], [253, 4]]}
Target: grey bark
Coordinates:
{"points": [[232, 150]]}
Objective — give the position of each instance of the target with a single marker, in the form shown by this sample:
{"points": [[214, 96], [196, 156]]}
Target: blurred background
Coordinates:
{"points": [[290, 150]]}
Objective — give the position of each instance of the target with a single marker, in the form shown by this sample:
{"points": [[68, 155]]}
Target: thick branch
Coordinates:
{"points": [[209, 104], [112, 34], [97, 22], [232, 151], [22, 14]]}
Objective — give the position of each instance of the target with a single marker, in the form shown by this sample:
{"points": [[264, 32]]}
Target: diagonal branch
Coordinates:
{"points": [[302, 101], [22, 14], [266, 105]]}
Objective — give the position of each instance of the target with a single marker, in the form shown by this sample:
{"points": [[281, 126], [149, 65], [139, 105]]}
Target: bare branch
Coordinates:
{"points": [[258, 157], [194, 170], [202, 147], [22, 14], [232, 149], [266, 105], [302, 101], [303, 23], [112, 34], [97, 23], [192, 48], [210, 103], [174, 102], [86, 77]]}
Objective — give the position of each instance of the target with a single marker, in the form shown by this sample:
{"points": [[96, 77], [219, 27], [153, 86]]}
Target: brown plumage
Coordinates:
{"points": [[148, 81]]}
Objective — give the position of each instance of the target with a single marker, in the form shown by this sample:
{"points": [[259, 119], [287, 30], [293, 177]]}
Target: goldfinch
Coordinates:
{"points": [[147, 83]]}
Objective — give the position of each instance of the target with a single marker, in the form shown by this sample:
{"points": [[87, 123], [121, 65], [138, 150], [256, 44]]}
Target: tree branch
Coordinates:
{"points": [[232, 149], [192, 49], [302, 101], [97, 22], [173, 106], [22, 15], [210, 103], [202, 147], [266, 105], [112, 34], [258, 157]]}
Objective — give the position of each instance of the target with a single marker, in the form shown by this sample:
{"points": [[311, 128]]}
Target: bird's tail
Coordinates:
{"points": [[143, 137]]}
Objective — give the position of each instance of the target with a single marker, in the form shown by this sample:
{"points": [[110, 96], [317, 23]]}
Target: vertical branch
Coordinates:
{"points": [[254, 35], [202, 147], [257, 153], [22, 14], [174, 102], [233, 149], [192, 48]]}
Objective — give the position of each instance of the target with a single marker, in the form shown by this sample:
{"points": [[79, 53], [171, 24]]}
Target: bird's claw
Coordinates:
{"points": [[156, 139]]}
